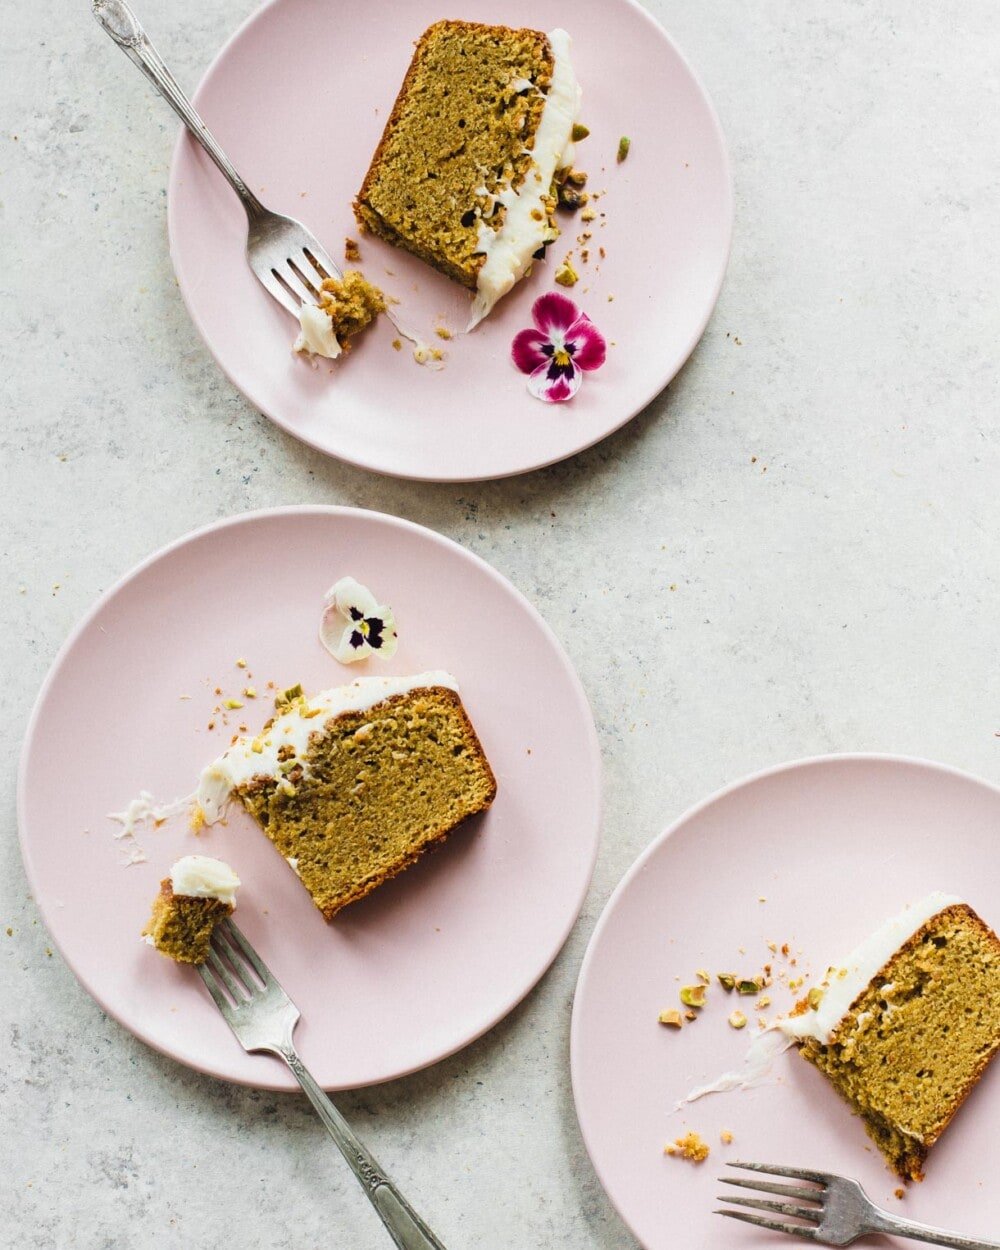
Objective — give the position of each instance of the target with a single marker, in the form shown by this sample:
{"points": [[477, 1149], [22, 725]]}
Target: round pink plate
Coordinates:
{"points": [[299, 97], [814, 855], [433, 958]]}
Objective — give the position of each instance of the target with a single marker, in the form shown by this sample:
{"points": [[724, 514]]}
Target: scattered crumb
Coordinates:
{"points": [[588, 214], [10, 931], [351, 250], [690, 1146], [898, 1193], [624, 144], [566, 275], [670, 1017], [442, 332], [240, 663], [232, 704], [737, 1020], [726, 1137], [397, 345], [249, 692]]}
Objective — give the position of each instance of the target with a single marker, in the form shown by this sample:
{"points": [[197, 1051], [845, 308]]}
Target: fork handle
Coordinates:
{"points": [[118, 20], [404, 1225], [883, 1222]]}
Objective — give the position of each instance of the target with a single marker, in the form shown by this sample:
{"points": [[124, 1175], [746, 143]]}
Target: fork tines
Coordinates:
{"points": [[812, 1191], [232, 963]]}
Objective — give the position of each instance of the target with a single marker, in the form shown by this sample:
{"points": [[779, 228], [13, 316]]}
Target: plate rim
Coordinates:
{"points": [[690, 813], [184, 140], [38, 896]]}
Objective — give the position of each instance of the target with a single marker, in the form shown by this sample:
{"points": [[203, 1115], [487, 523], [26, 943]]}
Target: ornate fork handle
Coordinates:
{"points": [[117, 18], [880, 1221], [406, 1228]]}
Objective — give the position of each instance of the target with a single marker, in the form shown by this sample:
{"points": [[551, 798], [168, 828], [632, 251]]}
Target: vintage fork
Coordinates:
{"points": [[841, 1211], [287, 259], [263, 1018]]}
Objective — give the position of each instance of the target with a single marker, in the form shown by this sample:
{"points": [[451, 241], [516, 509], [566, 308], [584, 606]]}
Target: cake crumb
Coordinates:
{"points": [[670, 1017], [397, 345], [691, 1146], [351, 250], [240, 663], [442, 332], [898, 1193], [726, 1137]]}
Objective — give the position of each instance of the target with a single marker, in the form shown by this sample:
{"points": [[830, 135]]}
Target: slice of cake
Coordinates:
{"points": [[198, 894], [354, 784], [906, 1026], [346, 306], [464, 175]]}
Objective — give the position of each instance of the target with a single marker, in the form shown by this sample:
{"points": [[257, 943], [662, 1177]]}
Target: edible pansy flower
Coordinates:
{"points": [[563, 346], [355, 625]]}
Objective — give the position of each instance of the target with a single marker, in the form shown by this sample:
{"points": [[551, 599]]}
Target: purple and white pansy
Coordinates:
{"points": [[563, 346], [355, 625]]}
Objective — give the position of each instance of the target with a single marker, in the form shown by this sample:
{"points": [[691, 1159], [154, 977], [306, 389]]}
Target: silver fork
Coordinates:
{"points": [[263, 1018], [287, 259], [839, 1212]]}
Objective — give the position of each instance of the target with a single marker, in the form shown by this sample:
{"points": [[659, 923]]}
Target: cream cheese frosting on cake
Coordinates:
{"points": [[509, 250], [272, 752], [316, 333], [199, 876]]}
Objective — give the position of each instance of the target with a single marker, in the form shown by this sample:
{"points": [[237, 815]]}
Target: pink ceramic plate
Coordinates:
{"points": [[814, 854], [298, 99], [434, 958]]}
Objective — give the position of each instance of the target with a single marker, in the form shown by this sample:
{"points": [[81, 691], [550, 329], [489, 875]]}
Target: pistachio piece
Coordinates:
{"points": [[624, 143], [566, 275], [702, 975], [752, 985], [232, 704], [288, 697], [579, 131], [814, 997], [693, 995], [670, 1017], [577, 177], [727, 980], [737, 1020]]}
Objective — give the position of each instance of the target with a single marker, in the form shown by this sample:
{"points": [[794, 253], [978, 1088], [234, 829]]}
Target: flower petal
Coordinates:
{"points": [[526, 350], [553, 311], [347, 594], [554, 386], [590, 349]]}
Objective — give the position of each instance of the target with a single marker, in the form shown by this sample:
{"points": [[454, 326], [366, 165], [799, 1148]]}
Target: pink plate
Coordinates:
{"points": [[298, 98], [434, 958], [814, 854]]}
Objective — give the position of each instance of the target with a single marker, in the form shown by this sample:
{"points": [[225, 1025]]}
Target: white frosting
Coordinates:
{"points": [[316, 334], [849, 978], [145, 810], [198, 876], [258, 757], [510, 249], [756, 1065]]}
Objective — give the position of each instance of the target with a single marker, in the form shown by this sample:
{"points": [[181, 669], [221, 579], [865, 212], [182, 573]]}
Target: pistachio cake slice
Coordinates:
{"points": [[907, 1024], [354, 784]]}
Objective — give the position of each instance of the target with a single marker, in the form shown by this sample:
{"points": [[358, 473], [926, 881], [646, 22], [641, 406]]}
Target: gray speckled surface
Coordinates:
{"points": [[839, 592]]}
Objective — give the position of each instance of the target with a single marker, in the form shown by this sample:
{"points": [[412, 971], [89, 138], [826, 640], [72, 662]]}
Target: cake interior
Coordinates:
{"points": [[351, 302], [374, 790], [460, 133], [917, 1039], [181, 926]]}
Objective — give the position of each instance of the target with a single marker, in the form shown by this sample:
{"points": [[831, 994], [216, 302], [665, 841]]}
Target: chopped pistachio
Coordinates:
{"points": [[764, 1001], [566, 275], [750, 986], [580, 131], [671, 1018], [241, 663], [814, 997], [624, 143], [250, 692], [693, 995], [702, 975], [578, 177], [288, 697], [232, 704], [737, 1020], [727, 980]]}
